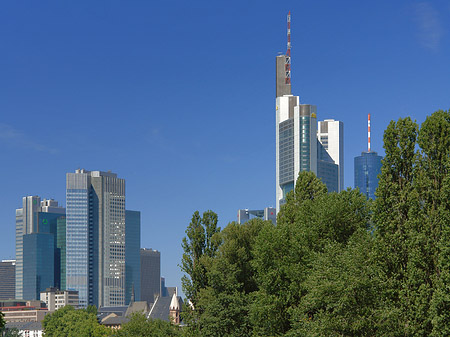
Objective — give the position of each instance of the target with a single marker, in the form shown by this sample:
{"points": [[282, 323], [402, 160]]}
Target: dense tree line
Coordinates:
{"points": [[335, 264]]}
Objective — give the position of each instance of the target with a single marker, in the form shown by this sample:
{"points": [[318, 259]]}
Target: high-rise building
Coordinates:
{"points": [[150, 274], [330, 134], [7, 279], [367, 168], [95, 236], [298, 147], [37, 247], [132, 255]]}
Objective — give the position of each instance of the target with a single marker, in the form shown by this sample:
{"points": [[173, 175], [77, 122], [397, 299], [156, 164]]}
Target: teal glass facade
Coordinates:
{"points": [[38, 264], [367, 169], [132, 255]]}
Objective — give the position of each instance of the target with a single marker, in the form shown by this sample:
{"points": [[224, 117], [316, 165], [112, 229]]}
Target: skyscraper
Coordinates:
{"points": [[132, 255], [330, 134], [367, 169], [7, 279], [95, 235], [150, 274], [36, 244], [298, 147]]}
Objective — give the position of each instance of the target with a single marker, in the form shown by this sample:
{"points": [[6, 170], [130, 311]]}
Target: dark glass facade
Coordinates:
{"points": [[38, 264], [7, 280], [132, 255], [150, 274], [367, 169]]}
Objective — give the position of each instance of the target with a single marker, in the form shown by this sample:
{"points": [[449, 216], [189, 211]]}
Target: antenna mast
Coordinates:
{"points": [[368, 132], [288, 52]]}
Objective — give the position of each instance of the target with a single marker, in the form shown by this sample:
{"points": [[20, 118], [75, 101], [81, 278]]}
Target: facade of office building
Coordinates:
{"points": [[95, 236], [330, 134], [38, 264], [37, 217], [296, 143], [150, 274], [367, 169], [132, 255], [7, 279]]}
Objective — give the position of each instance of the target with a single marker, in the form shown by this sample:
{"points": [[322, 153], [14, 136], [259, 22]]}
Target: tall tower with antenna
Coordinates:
{"points": [[283, 70], [298, 147], [367, 168]]}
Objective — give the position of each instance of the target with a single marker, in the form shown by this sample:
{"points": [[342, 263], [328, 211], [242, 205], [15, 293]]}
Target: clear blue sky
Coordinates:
{"points": [[177, 97]]}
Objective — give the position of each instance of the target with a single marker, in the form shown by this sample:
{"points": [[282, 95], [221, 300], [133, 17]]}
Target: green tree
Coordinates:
{"points": [[140, 326], [71, 323], [2, 320], [200, 246], [310, 220], [341, 294], [225, 302]]}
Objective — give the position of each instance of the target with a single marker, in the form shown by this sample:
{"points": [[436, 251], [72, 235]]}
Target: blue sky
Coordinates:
{"points": [[177, 97]]}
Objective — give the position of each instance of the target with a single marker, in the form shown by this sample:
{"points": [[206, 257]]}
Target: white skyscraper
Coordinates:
{"points": [[299, 146]]}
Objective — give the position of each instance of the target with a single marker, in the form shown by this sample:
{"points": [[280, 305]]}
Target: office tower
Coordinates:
{"points": [[132, 255], [367, 169], [150, 274], [268, 213], [297, 145], [36, 238], [95, 236], [38, 264], [330, 134], [7, 279]]}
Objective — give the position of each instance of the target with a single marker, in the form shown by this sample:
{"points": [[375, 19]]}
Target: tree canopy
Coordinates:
{"points": [[336, 264]]}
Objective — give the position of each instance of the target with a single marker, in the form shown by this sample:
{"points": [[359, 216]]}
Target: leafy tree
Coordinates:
{"points": [[10, 332], [71, 323], [2, 320], [225, 302], [200, 246], [285, 255], [341, 294], [140, 326]]}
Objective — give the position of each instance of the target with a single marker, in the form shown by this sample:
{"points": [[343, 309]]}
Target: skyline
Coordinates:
{"points": [[178, 99]]}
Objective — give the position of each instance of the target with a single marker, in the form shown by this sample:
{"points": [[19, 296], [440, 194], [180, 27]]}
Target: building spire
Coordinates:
{"points": [[288, 52], [368, 133]]}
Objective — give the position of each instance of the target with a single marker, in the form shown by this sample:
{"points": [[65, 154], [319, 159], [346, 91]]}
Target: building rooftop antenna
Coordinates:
{"points": [[368, 133], [288, 52]]}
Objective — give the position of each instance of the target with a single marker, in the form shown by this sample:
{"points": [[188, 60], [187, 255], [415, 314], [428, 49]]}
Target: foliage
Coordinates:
{"points": [[2, 320], [71, 323], [337, 264], [10, 332], [200, 246], [140, 326]]}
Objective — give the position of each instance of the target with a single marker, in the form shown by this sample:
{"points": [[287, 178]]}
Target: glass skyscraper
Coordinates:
{"points": [[367, 169], [132, 255], [38, 264], [150, 274], [36, 226], [95, 236]]}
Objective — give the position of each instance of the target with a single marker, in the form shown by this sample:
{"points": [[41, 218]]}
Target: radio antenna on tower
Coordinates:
{"points": [[288, 52], [368, 133]]}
